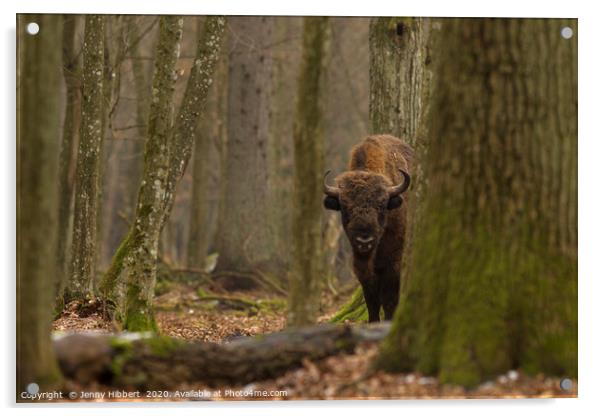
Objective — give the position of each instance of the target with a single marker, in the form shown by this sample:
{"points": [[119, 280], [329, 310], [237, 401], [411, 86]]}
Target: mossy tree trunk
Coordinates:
{"points": [[190, 113], [307, 272], [210, 129], [38, 137], [193, 105], [142, 75], [400, 80], [83, 253], [244, 241], [494, 270], [134, 263], [68, 152]]}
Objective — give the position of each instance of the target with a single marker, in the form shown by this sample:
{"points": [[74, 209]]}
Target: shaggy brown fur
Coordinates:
{"points": [[367, 212]]}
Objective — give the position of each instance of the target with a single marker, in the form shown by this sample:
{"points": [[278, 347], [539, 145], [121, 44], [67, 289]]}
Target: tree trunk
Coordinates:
{"points": [[134, 263], [198, 236], [398, 75], [116, 42], [83, 257], [142, 85], [209, 130], [38, 136], [399, 89], [139, 74], [494, 268], [244, 240], [307, 273], [286, 33], [193, 105], [123, 179], [68, 153]]}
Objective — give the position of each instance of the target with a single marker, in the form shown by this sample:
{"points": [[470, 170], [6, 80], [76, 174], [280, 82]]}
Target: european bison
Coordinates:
{"points": [[369, 196]]}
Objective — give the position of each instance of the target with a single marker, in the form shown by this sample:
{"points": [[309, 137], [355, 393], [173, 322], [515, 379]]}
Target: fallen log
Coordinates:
{"points": [[158, 362]]}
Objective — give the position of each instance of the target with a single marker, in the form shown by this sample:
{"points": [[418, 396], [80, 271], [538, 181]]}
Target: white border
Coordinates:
{"points": [[590, 209]]}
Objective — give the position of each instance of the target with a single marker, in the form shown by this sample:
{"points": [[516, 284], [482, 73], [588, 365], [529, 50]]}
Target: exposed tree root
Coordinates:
{"points": [[353, 311]]}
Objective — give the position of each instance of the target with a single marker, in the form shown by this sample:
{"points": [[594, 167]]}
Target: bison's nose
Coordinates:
{"points": [[364, 240]]}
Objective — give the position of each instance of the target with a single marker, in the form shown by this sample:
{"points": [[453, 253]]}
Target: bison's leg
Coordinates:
{"points": [[389, 293], [372, 298]]}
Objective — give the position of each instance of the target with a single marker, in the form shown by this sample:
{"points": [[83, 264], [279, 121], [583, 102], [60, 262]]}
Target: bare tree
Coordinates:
{"points": [[69, 144], [193, 105], [134, 263], [244, 242], [38, 136], [166, 155], [83, 257], [211, 129], [307, 273]]}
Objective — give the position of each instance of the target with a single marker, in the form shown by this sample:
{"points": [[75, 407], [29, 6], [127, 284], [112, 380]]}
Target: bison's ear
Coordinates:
{"points": [[394, 202], [332, 203]]}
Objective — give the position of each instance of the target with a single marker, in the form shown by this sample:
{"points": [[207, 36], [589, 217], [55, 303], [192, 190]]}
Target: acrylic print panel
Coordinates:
{"points": [[285, 208]]}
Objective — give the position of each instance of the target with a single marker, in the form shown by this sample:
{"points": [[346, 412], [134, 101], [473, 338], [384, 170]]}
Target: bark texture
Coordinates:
{"points": [[287, 34], [193, 105], [398, 75], [83, 253], [244, 240], [134, 263], [210, 130], [198, 235], [69, 143], [308, 268], [494, 268], [38, 137]]}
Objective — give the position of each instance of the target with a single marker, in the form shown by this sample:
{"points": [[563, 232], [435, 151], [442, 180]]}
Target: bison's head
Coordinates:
{"points": [[364, 199]]}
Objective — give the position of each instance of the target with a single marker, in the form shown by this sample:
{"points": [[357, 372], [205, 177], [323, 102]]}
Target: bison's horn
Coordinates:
{"points": [[332, 191], [402, 187]]}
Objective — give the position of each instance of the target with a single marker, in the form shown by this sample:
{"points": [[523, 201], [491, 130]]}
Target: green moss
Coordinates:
{"points": [[202, 293], [276, 305], [550, 336], [138, 320], [123, 352], [109, 281], [138, 313], [163, 286], [163, 346], [492, 305], [353, 311]]}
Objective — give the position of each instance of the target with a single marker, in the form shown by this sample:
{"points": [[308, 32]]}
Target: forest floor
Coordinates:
{"points": [[186, 312]]}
